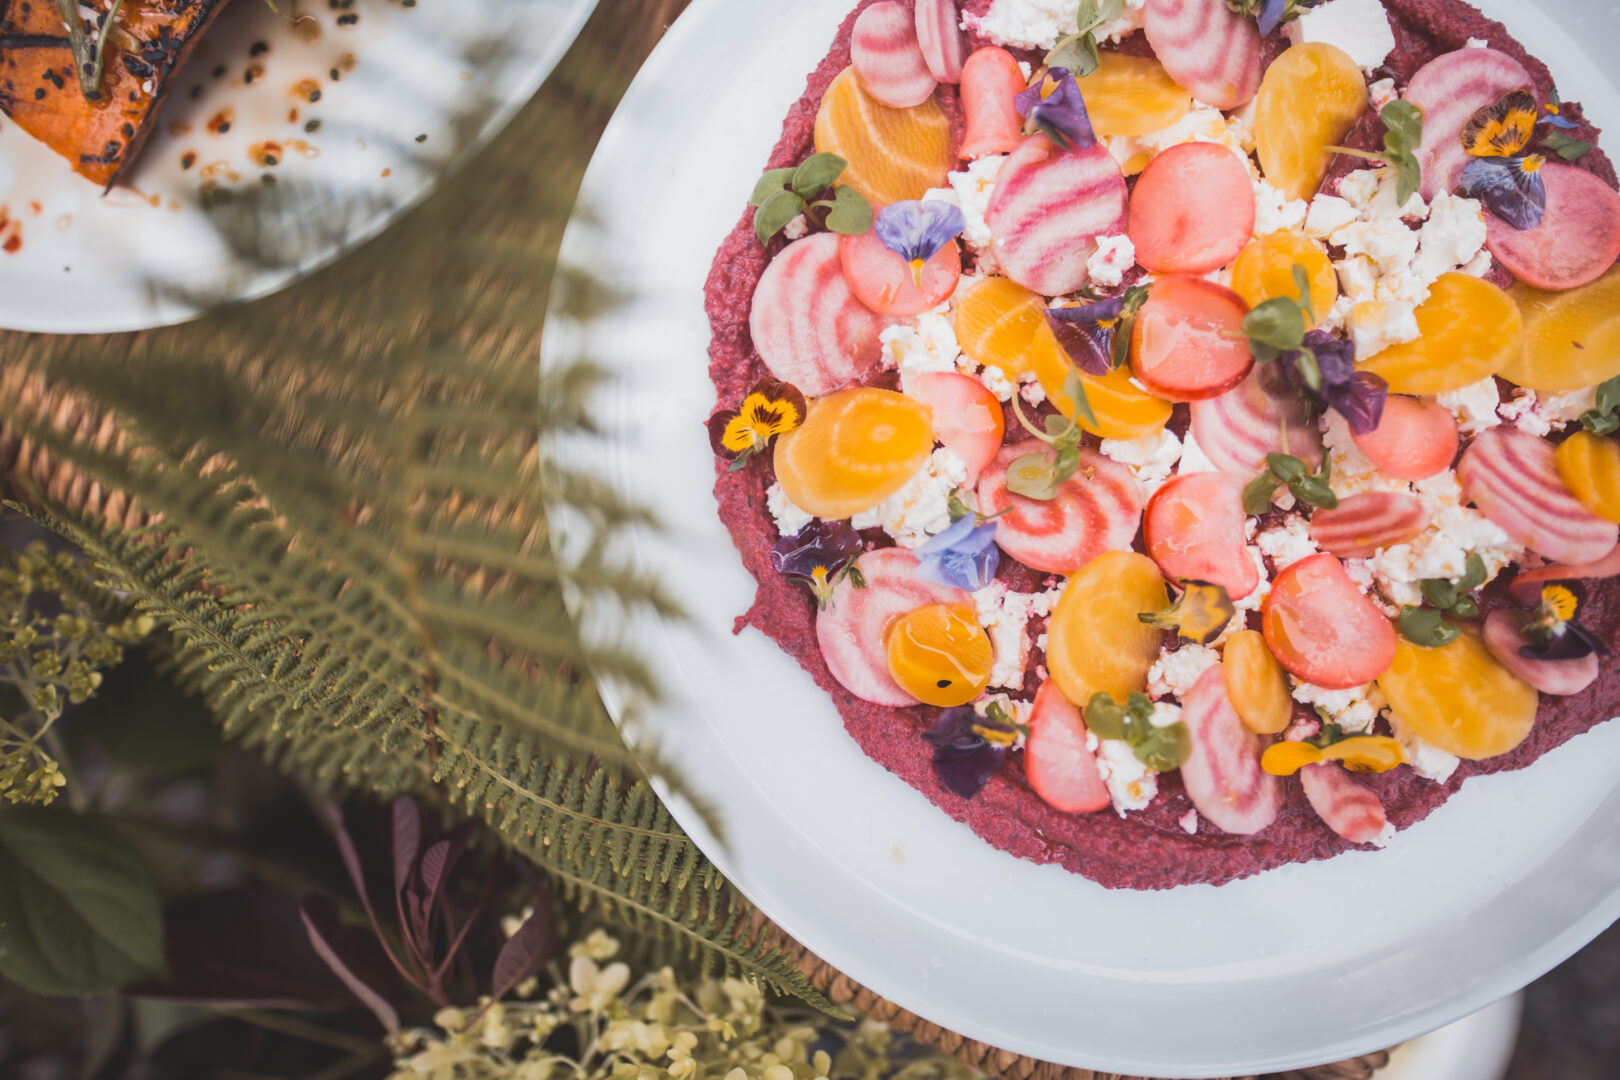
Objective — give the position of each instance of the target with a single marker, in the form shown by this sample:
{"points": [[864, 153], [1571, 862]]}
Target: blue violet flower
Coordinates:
{"points": [[968, 748], [915, 229], [1056, 108], [961, 556], [820, 555]]}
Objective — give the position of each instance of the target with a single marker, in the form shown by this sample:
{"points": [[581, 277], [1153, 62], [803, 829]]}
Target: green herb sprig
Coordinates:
{"points": [[1039, 475], [88, 58], [1276, 327], [1309, 488], [1428, 626], [1159, 748], [1403, 131], [1566, 146], [1605, 418], [783, 194], [1078, 51]]}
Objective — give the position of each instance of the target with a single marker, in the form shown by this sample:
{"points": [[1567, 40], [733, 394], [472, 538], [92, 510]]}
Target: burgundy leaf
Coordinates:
{"points": [[525, 952], [407, 839], [434, 879], [331, 942], [357, 875]]}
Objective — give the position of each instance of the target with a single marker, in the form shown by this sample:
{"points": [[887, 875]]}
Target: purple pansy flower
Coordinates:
{"points": [[1358, 396], [968, 748], [1081, 332], [1056, 107], [961, 556], [819, 554], [1509, 187], [915, 229]]}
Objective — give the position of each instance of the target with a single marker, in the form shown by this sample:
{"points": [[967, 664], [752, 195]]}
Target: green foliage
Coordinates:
{"points": [[80, 912], [1312, 489], [781, 195]]}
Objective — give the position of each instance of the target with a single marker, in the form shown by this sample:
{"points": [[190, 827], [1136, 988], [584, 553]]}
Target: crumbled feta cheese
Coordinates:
{"points": [[1150, 458], [973, 187], [1441, 551], [1359, 27], [1359, 187], [1357, 279], [796, 228], [1479, 265], [1275, 211], [1240, 125], [1287, 543], [1250, 602], [1193, 458], [790, 520], [1375, 325], [1164, 714], [921, 508], [1203, 123], [1453, 235], [1014, 709], [1131, 784], [1176, 670], [1354, 709], [1114, 256], [1188, 822], [1038, 24], [1473, 405], [1005, 616], [1426, 759], [1529, 411], [1381, 92], [1385, 240], [1328, 214], [995, 380], [1030, 389], [923, 343], [1384, 204], [1477, 43]]}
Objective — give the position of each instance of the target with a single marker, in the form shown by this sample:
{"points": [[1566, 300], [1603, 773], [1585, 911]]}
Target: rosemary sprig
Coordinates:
{"points": [[88, 59]]}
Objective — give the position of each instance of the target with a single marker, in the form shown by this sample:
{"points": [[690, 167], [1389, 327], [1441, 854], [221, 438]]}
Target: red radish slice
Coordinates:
{"points": [[806, 323], [1513, 479], [1414, 439], [1561, 678], [939, 35], [1188, 339], [1347, 806], [882, 279], [1577, 240], [1322, 629], [1207, 49], [1097, 509], [1047, 210], [1192, 210], [1194, 530], [1223, 776], [1239, 428], [887, 57], [853, 629], [1526, 587], [1362, 524], [991, 80], [968, 419], [1450, 89], [1057, 762]]}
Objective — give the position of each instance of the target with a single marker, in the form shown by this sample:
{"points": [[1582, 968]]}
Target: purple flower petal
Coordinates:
{"points": [[963, 759], [1510, 188], [915, 229], [1061, 112], [963, 556], [1558, 121], [1335, 357], [824, 545], [1359, 399]]}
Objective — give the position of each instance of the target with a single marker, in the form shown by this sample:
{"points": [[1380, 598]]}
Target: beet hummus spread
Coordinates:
{"points": [[1383, 548]]}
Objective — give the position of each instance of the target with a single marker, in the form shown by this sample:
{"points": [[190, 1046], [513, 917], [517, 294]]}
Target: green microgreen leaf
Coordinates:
{"points": [[1314, 491], [1164, 748], [1302, 282], [849, 213], [1077, 52], [1074, 388], [773, 181], [1278, 323], [1566, 146], [1474, 573], [1426, 627], [816, 174], [772, 215], [1286, 467], [1605, 417], [1033, 476], [1105, 716], [1403, 132], [1257, 493]]}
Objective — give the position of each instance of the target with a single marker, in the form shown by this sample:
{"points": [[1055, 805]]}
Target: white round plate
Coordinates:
{"points": [[1302, 965], [415, 88]]}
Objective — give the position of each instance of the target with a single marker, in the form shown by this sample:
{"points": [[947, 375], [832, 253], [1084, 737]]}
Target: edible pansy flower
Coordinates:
{"points": [[1097, 336], [771, 408], [915, 230], [821, 554], [1198, 615], [1055, 107], [1501, 176], [1326, 366], [1553, 632], [969, 748], [1270, 14], [1358, 753], [961, 556]]}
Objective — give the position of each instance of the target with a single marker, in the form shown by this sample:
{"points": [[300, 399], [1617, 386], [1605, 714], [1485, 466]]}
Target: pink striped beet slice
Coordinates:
{"points": [[1364, 523], [888, 58], [1450, 89], [1049, 207], [1097, 509], [853, 629], [1504, 637], [1239, 428], [1346, 805], [1057, 762], [940, 37], [1512, 477], [806, 323], [1206, 48], [1222, 774]]}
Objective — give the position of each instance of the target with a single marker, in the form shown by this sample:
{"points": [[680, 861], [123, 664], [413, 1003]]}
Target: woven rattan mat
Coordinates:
{"points": [[559, 128]]}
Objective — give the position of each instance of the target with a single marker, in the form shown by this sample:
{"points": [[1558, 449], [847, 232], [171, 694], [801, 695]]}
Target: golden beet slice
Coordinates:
{"points": [[856, 448], [1255, 683], [1310, 98], [1132, 95], [1467, 329], [1571, 338], [1123, 409], [996, 324], [1095, 642], [893, 154], [1265, 270], [1458, 697], [1589, 465]]}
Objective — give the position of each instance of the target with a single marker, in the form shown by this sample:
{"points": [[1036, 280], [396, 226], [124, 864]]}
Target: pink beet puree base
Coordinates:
{"points": [[1147, 850]]}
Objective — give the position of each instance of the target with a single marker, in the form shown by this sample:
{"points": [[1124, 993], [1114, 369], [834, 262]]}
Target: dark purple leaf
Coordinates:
{"points": [[525, 952], [1570, 641], [963, 758], [1089, 345], [434, 877], [331, 941], [407, 839], [357, 876]]}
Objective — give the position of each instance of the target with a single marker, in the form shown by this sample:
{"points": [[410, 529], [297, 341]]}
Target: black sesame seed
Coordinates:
{"points": [[312, 126], [314, 96], [347, 20], [334, 73], [39, 95], [259, 48], [421, 138], [129, 131], [223, 127], [943, 683], [219, 71], [196, 91]]}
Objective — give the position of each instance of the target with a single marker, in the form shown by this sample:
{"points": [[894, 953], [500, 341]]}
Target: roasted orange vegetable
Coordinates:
{"points": [[40, 90]]}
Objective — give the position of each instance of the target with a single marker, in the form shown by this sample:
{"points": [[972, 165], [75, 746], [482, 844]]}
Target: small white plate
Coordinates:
{"points": [[415, 89], [1295, 967]]}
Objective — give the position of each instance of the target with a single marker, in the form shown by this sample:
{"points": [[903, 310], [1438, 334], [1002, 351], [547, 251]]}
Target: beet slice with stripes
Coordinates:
{"points": [[1222, 775], [1504, 637], [1058, 764], [806, 323], [1097, 509], [888, 58], [1208, 49], [1513, 479], [1049, 207], [1239, 428], [1346, 805], [940, 37], [1364, 523], [1450, 89]]}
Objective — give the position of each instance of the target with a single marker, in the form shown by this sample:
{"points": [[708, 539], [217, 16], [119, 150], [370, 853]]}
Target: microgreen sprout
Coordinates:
{"points": [[1403, 131], [1284, 469], [809, 189]]}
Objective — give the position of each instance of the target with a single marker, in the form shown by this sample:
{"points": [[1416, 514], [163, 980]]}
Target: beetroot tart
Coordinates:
{"points": [[1179, 434]]}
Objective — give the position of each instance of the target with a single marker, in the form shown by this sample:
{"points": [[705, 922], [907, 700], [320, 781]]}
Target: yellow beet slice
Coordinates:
{"points": [[996, 324], [1468, 329], [1095, 642], [1255, 683], [1589, 465], [1265, 270], [940, 655], [1458, 697], [856, 448], [893, 154], [1571, 338], [1310, 98], [1123, 409], [1132, 95]]}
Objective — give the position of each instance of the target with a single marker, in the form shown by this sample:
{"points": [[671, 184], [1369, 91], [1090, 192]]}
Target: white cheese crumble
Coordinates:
{"points": [[1359, 27], [1381, 92], [1030, 389], [1193, 458], [1452, 235], [1038, 24], [1188, 822], [1275, 211], [1425, 758], [923, 343], [973, 187], [1375, 325], [1150, 458], [1203, 123], [1005, 616], [790, 519], [1176, 670], [1287, 543], [995, 380], [1327, 214], [1542, 415], [1454, 532], [1113, 257], [1359, 187], [1354, 709], [1473, 405], [1131, 784], [796, 228], [921, 508]]}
